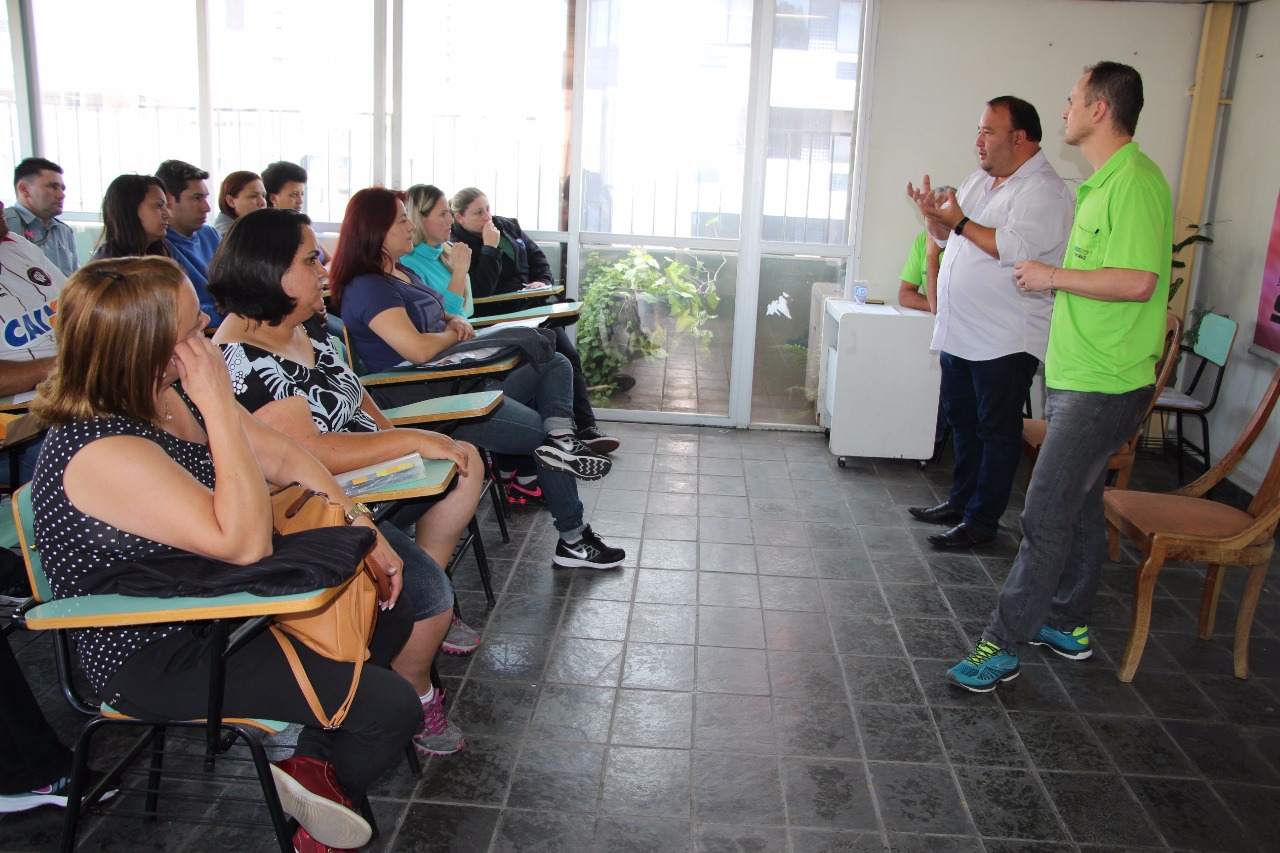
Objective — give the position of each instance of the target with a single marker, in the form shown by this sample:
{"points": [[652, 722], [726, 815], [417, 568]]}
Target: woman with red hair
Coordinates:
{"points": [[393, 318]]}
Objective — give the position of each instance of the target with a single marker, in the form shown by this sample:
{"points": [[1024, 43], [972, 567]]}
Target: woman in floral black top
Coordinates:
{"points": [[266, 277]]}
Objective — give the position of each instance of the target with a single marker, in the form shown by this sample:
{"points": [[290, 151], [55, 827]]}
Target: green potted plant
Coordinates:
{"points": [[630, 304]]}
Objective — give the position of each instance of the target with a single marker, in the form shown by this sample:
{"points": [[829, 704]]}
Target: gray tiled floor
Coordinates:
{"points": [[765, 673]]}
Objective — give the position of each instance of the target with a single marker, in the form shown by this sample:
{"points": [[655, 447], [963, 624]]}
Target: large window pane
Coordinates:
{"points": [[486, 102], [664, 117], [656, 329], [812, 99], [294, 82], [10, 153], [786, 352], [118, 89]]}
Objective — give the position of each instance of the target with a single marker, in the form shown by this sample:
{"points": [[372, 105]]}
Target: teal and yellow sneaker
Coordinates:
{"points": [[984, 668], [1072, 645]]}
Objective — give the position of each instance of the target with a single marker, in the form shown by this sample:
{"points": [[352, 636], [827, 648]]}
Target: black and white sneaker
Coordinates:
{"points": [[587, 553], [566, 453], [598, 441]]}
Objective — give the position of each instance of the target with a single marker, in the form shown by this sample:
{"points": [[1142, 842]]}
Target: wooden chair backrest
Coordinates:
{"points": [[1269, 491], [1168, 358], [1164, 370]]}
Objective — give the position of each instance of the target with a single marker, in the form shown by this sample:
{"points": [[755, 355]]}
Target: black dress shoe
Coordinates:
{"points": [[961, 536], [943, 513]]}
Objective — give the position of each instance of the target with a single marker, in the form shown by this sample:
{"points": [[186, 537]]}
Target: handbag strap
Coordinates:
{"points": [[309, 692]]}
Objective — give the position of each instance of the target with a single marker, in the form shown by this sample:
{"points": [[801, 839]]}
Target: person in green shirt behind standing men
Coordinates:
{"points": [[1105, 339], [919, 290]]}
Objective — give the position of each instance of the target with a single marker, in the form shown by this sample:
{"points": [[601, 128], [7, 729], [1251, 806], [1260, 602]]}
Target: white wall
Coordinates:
{"points": [[1230, 275], [937, 62]]}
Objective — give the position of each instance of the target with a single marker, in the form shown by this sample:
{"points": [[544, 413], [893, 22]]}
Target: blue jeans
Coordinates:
{"points": [[983, 401], [534, 403], [1055, 576], [426, 587]]}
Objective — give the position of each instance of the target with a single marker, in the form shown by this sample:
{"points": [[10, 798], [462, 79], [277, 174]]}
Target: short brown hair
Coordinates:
{"points": [[1121, 87], [231, 186], [117, 326]]}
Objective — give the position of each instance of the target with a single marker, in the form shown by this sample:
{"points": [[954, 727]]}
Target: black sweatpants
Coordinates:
{"points": [[169, 679], [31, 756]]}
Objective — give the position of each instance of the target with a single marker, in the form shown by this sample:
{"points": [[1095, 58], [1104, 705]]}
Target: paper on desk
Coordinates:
{"points": [[24, 397], [381, 475]]}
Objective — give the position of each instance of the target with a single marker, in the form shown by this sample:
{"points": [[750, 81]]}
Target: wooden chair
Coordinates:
{"points": [[1213, 346], [251, 613], [1182, 525], [1121, 462]]}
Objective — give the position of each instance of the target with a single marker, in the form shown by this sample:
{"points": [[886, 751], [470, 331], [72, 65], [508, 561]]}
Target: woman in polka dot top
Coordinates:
{"points": [[148, 454]]}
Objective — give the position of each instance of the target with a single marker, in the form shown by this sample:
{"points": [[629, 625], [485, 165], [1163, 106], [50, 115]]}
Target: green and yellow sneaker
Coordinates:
{"points": [[984, 669], [1072, 645]]}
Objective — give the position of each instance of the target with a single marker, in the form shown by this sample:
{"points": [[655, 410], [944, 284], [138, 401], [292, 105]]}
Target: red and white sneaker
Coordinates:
{"points": [[309, 793], [304, 843]]}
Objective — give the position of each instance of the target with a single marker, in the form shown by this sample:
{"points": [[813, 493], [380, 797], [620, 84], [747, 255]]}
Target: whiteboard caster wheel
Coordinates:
{"points": [[840, 461]]}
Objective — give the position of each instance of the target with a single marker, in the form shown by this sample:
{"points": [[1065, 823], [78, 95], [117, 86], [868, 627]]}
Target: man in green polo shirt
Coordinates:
{"points": [[919, 272], [1106, 336]]}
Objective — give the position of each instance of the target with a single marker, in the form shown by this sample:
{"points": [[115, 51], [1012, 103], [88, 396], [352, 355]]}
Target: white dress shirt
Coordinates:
{"points": [[981, 313]]}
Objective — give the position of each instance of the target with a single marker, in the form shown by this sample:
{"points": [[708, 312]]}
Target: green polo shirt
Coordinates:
{"points": [[1124, 219], [913, 270]]}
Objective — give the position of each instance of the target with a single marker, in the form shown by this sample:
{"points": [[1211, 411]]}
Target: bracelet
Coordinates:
{"points": [[1052, 288], [959, 229]]}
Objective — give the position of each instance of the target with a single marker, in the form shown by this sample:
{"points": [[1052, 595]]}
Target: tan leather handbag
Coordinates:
{"points": [[341, 629]]}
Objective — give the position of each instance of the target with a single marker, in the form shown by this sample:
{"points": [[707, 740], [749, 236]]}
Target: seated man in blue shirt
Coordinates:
{"points": [[38, 185], [191, 242]]}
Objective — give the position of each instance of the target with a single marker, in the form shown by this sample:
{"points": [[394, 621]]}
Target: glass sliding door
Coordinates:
{"points": [[787, 346], [665, 94], [813, 99]]}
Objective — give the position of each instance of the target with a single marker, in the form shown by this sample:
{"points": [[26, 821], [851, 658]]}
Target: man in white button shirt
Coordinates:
{"points": [[991, 335]]}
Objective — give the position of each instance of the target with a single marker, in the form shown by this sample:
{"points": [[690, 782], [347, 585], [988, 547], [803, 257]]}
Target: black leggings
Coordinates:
{"points": [[31, 756], [169, 679]]}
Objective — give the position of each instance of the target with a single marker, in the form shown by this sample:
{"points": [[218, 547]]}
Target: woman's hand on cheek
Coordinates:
{"points": [[203, 372]]}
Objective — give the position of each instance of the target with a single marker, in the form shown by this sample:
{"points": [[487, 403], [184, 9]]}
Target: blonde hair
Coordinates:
{"points": [[117, 324], [462, 199], [418, 201]]}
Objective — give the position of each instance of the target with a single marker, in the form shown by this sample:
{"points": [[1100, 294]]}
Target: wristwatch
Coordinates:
{"points": [[357, 511], [959, 229]]}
